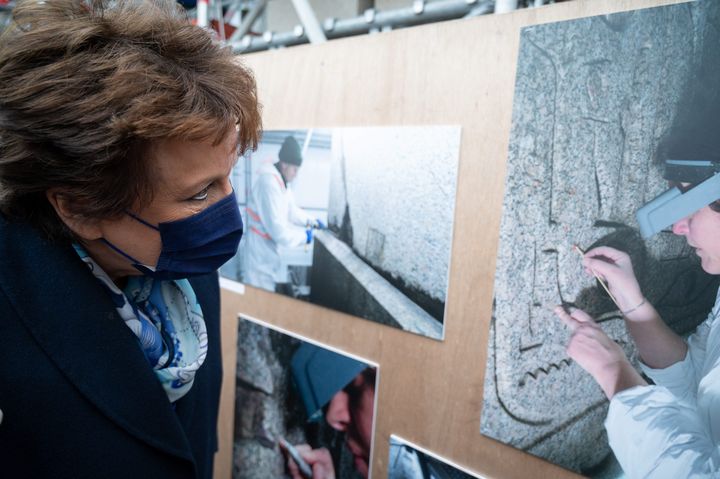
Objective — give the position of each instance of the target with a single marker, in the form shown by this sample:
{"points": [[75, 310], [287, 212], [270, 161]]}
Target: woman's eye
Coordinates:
{"points": [[202, 195]]}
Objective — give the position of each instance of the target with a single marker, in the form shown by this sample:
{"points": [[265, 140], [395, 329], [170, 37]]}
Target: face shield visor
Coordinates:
{"points": [[319, 374], [677, 203]]}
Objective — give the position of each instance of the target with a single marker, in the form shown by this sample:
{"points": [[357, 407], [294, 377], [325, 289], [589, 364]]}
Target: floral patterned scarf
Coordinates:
{"points": [[168, 322]]}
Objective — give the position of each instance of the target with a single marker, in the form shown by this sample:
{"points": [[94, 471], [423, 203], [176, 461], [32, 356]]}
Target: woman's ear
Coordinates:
{"points": [[84, 228]]}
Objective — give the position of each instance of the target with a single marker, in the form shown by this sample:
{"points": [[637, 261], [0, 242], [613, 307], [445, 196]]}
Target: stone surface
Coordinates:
{"points": [[344, 282], [266, 406], [398, 187], [592, 99]]}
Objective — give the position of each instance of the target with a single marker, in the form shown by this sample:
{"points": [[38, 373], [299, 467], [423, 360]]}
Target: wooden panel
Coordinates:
{"points": [[452, 73]]}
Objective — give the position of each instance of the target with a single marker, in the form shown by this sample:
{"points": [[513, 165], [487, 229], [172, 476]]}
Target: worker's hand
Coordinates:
{"points": [[597, 354], [308, 236], [616, 269], [319, 224], [319, 460]]}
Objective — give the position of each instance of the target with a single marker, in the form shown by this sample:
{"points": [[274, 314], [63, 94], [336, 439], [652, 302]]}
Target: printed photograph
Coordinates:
{"points": [[598, 108], [302, 410], [358, 220], [408, 461]]}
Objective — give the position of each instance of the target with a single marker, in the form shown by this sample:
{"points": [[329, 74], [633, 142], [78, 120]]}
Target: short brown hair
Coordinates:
{"points": [[87, 88]]}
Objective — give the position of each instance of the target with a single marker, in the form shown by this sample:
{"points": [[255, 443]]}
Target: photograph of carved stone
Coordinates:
{"points": [[592, 100], [301, 410], [408, 461], [331, 215]]}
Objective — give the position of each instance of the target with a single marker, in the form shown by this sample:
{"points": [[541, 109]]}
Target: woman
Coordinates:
{"points": [[670, 429], [341, 391], [119, 125]]}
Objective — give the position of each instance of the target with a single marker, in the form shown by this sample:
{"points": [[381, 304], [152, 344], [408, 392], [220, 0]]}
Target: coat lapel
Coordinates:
{"points": [[74, 321]]}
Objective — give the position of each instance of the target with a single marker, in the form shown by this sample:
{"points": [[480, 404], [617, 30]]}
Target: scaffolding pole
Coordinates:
{"points": [[248, 21], [372, 20], [309, 21]]}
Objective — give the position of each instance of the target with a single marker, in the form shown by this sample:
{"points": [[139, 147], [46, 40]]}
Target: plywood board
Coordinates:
{"points": [[456, 73]]}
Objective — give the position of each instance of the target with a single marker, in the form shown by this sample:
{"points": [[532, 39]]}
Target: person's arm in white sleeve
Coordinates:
{"points": [[658, 345], [274, 215], [296, 214], [653, 434], [682, 378], [666, 357]]}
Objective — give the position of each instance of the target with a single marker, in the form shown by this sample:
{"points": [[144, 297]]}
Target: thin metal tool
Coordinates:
{"points": [[304, 467], [602, 283]]}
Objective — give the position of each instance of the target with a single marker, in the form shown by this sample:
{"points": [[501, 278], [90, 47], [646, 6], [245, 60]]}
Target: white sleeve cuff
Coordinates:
{"points": [[678, 378]]}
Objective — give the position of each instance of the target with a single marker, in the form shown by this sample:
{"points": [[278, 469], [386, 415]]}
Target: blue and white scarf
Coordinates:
{"points": [[168, 322]]}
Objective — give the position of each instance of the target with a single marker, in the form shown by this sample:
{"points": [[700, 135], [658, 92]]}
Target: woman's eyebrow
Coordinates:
{"points": [[196, 186]]}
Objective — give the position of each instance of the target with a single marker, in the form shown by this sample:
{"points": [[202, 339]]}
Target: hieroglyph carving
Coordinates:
{"points": [[592, 99]]}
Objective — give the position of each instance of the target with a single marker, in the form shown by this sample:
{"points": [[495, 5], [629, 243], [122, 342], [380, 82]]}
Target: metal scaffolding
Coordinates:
{"points": [[245, 38], [242, 23]]}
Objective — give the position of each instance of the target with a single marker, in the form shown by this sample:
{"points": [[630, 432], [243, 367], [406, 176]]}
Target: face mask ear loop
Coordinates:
{"points": [[137, 218], [119, 251]]}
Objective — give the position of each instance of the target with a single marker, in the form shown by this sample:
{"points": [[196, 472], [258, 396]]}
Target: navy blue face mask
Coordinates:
{"points": [[196, 245]]}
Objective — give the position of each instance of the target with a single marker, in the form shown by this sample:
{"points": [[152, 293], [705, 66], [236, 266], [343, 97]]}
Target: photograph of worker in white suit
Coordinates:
{"points": [[409, 461], [331, 214], [273, 218]]}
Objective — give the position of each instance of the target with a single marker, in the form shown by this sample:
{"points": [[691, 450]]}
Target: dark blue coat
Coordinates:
{"points": [[78, 397]]}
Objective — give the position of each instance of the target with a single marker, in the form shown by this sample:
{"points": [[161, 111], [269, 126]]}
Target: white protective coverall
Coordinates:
{"points": [[403, 462], [273, 220], [672, 430]]}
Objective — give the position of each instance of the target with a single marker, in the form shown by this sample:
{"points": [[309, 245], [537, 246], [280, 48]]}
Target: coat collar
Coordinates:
{"points": [[74, 321]]}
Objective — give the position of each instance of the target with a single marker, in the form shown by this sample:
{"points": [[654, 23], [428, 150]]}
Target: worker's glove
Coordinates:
{"points": [[308, 235], [319, 224]]}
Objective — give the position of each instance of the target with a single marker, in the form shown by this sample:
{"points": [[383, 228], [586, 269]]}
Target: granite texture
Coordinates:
{"points": [[593, 98], [395, 187], [266, 407]]}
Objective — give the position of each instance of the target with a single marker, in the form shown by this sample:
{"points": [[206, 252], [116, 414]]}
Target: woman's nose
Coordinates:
{"points": [[338, 413], [681, 227]]}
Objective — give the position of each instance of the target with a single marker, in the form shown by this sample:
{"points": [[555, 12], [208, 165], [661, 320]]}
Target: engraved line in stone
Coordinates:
{"points": [[546, 371], [598, 194], [596, 120], [497, 390], [565, 424], [609, 224], [532, 291], [544, 53], [524, 349], [557, 268]]}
